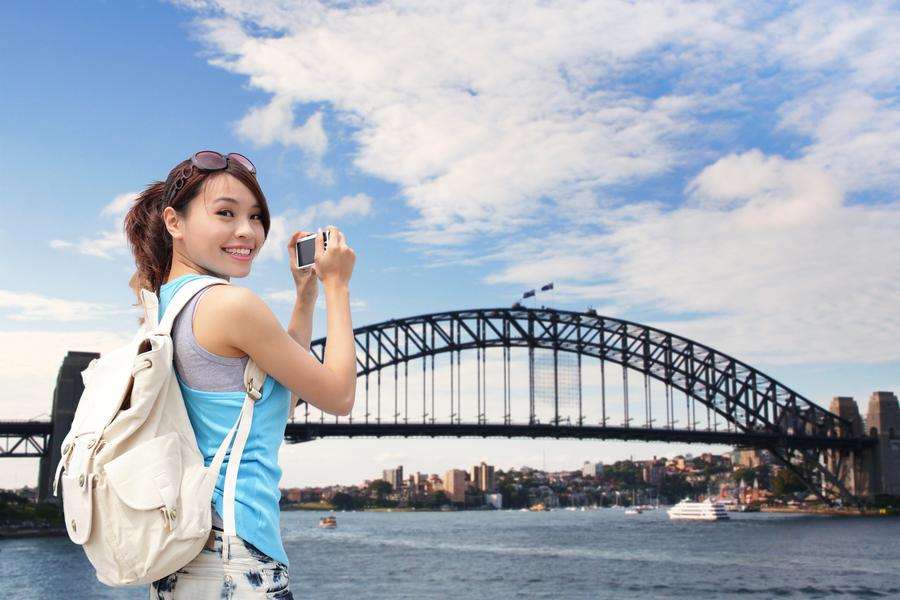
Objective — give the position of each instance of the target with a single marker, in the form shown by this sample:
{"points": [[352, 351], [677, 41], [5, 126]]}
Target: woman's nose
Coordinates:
{"points": [[245, 228]]}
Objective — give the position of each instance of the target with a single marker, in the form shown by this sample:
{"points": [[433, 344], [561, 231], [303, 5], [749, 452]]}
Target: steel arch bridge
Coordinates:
{"points": [[755, 409], [743, 406]]}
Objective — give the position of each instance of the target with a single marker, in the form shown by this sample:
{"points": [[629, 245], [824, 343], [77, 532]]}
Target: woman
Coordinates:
{"points": [[210, 219]]}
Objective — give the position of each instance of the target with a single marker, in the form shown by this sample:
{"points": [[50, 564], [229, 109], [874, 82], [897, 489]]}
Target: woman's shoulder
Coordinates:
{"points": [[219, 311], [232, 301]]}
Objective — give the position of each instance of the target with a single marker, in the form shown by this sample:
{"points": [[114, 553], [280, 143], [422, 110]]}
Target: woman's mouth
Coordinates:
{"points": [[240, 255]]}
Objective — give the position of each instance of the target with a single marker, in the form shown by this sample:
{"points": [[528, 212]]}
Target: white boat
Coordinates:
{"points": [[633, 511], [698, 511]]}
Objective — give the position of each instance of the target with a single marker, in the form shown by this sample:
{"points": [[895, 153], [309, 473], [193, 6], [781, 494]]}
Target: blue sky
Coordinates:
{"points": [[725, 172]]}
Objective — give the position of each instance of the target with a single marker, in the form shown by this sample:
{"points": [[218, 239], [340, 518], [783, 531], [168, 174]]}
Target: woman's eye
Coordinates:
{"points": [[232, 214]]}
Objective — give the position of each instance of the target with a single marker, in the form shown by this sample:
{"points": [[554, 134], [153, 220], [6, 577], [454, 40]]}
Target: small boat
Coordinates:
{"points": [[707, 510], [538, 506], [634, 511], [328, 522]]}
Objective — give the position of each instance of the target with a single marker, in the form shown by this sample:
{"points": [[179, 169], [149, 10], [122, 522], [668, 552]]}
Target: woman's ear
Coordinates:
{"points": [[172, 221]]}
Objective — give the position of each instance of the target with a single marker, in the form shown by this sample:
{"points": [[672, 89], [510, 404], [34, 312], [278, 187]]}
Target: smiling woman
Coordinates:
{"points": [[209, 219]]}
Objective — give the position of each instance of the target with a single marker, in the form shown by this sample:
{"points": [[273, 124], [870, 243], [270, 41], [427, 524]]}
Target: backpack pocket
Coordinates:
{"points": [[149, 475], [78, 506]]}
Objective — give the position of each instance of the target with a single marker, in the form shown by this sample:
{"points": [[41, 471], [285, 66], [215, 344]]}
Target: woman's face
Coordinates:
{"points": [[223, 231]]}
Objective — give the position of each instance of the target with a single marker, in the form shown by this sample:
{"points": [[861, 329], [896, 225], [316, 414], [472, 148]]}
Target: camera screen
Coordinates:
{"points": [[306, 251]]}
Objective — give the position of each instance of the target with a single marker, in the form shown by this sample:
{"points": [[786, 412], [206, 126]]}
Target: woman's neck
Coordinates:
{"points": [[180, 270]]}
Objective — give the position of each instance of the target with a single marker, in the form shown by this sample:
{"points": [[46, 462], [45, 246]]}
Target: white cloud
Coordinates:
{"points": [[769, 255], [495, 122], [26, 306], [476, 111], [108, 243], [855, 136], [120, 205], [274, 123]]}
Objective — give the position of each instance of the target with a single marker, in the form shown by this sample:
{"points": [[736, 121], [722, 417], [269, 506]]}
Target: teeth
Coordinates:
{"points": [[243, 252]]}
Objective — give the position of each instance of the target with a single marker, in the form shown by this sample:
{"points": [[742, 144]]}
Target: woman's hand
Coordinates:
{"points": [[305, 279], [334, 265]]}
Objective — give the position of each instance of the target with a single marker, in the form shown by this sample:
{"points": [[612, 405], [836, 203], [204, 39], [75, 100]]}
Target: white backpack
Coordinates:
{"points": [[136, 495]]}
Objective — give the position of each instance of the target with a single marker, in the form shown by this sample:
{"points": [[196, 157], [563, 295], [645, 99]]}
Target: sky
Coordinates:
{"points": [[727, 171]]}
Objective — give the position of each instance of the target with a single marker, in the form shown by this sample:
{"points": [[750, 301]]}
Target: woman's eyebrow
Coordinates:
{"points": [[233, 201]]}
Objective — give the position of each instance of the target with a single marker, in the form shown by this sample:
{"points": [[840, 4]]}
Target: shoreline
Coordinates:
{"points": [[31, 532], [835, 512]]}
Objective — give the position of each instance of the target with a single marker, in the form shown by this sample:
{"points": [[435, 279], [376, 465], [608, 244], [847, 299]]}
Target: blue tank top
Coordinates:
{"points": [[212, 414]]}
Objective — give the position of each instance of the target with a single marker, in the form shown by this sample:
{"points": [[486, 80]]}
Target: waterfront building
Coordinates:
{"points": [[750, 458], [394, 477], [590, 469], [485, 481], [455, 485], [653, 472]]}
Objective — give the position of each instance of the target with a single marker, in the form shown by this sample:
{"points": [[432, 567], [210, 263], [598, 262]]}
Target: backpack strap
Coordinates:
{"points": [[254, 379], [182, 297]]}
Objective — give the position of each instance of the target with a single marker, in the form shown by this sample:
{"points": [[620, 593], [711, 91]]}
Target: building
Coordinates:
{"points": [[485, 481], [394, 477], [750, 458], [589, 469], [653, 472], [455, 485]]}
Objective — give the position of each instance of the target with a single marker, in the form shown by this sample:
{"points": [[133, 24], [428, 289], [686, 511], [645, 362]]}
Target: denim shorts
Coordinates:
{"points": [[228, 568]]}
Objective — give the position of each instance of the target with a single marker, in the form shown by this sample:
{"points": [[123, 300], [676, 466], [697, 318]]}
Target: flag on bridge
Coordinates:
{"points": [[549, 286], [528, 294]]}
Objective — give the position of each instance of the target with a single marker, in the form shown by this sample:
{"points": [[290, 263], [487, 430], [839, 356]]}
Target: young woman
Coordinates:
{"points": [[210, 219]]}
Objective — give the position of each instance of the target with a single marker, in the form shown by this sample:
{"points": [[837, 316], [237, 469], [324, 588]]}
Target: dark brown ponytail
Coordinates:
{"points": [[145, 230], [149, 239]]}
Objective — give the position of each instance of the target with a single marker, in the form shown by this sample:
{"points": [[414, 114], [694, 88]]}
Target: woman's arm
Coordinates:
{"points": [[254, 329], [329, 385], [300, 328]]}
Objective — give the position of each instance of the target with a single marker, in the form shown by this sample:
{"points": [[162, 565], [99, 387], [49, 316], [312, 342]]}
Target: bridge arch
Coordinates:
{"points": [[807, 439], [748, 399]]}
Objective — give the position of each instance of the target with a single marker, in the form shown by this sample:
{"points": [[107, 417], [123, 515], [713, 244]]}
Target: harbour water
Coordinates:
{"points": [[512, 554]]}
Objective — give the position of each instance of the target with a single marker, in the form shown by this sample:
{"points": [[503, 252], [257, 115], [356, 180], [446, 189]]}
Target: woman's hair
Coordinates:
{"points": [[146, 231]]}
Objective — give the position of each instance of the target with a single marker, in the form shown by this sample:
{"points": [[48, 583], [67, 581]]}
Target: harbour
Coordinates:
{"points": [[595, 553]]}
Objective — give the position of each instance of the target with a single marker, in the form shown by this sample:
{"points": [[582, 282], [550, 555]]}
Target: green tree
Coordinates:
{"points": [[343, 501], [380, 488], [786, 482]]}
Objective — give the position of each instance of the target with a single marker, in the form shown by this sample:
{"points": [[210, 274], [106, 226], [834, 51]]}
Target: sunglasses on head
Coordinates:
{"points": [[208, 160]]}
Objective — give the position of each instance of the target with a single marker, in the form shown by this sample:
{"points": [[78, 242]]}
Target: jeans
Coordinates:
{"points": [[228, 568]]}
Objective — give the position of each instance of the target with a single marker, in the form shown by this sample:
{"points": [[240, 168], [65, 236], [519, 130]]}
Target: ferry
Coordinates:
{"points": [[329, 522], [698, 511]]}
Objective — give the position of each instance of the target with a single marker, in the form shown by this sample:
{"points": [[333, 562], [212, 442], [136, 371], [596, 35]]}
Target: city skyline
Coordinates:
{"points": [[724, 172]]}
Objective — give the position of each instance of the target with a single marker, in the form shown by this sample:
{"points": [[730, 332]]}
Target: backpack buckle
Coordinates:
{"points": [[255, 394]]}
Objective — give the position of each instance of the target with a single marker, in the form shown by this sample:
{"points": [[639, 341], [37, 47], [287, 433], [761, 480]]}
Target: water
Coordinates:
{"points": [[513, 554]]}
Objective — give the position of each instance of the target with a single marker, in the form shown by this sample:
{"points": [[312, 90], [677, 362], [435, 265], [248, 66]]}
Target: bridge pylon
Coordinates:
{"points": [[69, 387]]}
